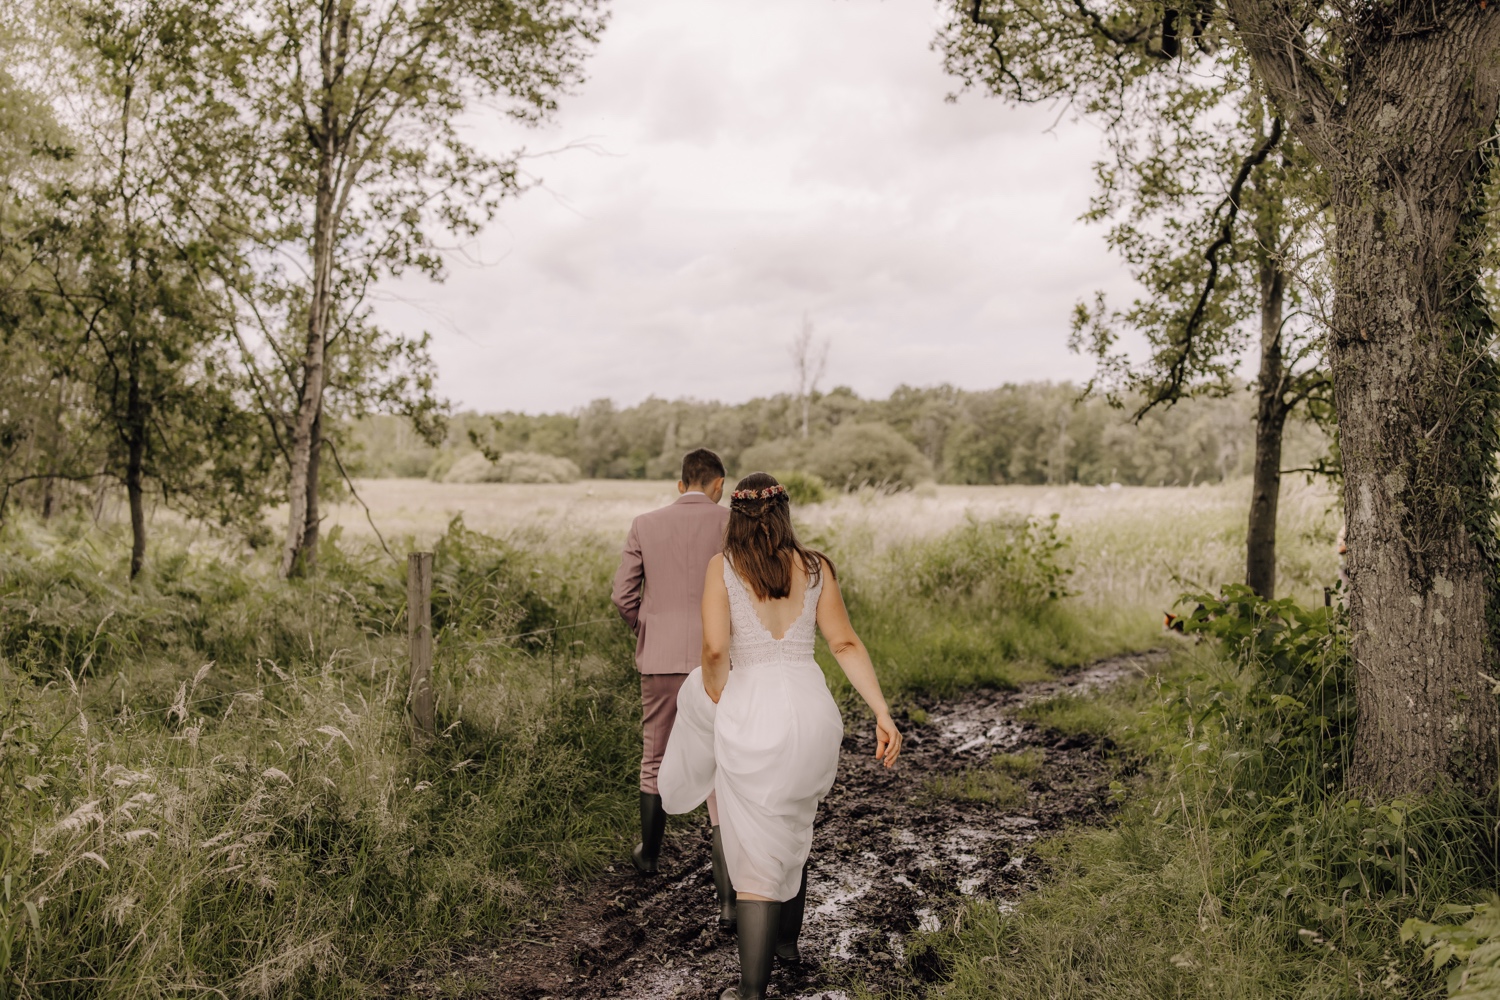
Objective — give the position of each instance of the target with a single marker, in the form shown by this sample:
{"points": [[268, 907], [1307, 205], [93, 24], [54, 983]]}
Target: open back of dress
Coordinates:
{"points": [[770, 747]]}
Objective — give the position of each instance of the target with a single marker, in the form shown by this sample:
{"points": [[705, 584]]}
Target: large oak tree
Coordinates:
{"points": [[1396, 103]]}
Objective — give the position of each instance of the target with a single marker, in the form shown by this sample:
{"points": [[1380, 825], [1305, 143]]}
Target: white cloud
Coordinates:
{"points": [[751, 162]]}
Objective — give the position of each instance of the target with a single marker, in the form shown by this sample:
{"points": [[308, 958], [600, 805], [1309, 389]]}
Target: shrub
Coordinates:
{"points": [[221, 791], [1240, 864], [874, 455], [442, 463], [1475, 943], [534, 467], [803, 488], [513, 467], [1007, 563], [470, 468]]}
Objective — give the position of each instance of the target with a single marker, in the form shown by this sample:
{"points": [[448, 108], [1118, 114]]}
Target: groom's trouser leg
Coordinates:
{"points": [[658, 712]]}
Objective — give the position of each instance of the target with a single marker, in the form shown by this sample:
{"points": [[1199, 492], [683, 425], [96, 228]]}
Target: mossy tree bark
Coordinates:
{"points": [[1400, 133]]}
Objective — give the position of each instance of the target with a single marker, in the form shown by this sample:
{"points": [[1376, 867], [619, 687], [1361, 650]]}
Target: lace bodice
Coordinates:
{"points": [[751, 643]]}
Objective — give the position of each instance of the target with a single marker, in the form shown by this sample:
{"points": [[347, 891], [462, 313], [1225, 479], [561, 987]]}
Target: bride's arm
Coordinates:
{"points": [[854, 660], [715, 630]]}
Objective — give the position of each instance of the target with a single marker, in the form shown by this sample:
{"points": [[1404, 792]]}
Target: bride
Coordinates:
{"points": [[766, 735]]}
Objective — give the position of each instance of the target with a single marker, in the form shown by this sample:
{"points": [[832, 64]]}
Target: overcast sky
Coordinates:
{"points": [[735, 166]]}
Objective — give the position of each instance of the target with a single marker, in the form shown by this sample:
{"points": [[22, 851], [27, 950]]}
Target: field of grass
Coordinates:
{"points": [[207, 784], [1128, 544]]}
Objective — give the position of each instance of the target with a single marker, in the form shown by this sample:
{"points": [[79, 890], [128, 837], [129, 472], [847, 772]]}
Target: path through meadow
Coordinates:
{"points": [[892, 851]]}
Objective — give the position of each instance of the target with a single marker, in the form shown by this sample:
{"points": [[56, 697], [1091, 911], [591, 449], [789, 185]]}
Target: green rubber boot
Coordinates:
{"points": [[653, 828], [722, 885], [791, 923], [759, 921]]}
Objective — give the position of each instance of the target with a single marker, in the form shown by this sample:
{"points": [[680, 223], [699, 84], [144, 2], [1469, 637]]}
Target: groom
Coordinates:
{"points": [[659, 592]]}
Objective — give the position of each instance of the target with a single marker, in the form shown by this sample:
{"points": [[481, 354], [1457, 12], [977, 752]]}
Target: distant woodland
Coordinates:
{"points": [[1036, 432]]}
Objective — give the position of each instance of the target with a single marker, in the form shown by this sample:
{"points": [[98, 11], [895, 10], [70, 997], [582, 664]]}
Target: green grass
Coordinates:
{"points": [[1077, 715], [982, 606], [207, 782], [1234, 869], [997, 783]]}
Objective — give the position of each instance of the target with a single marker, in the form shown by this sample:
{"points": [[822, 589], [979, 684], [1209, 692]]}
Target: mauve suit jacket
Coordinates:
{"points": [[659, 586]]}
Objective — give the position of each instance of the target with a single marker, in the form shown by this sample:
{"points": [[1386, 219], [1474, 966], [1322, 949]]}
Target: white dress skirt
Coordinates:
{"points": [[770, 748]]}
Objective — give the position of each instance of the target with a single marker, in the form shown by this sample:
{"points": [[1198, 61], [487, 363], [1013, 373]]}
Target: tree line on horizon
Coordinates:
{"points": [[1017, 433]]}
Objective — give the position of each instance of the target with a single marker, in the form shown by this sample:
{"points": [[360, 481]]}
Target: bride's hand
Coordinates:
{"points": [[887, 740]]}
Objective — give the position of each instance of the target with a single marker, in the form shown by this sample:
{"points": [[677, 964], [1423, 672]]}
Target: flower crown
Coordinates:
{"points": [[769, 493]]}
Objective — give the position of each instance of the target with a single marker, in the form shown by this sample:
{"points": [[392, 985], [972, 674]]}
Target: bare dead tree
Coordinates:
{"points": [[810, 357]]}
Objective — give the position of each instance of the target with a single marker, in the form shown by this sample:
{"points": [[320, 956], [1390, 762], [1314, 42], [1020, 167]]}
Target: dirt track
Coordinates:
{"points": [[889, 858]]}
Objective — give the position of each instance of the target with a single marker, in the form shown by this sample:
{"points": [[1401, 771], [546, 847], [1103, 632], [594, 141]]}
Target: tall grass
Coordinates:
{"points": [[207, 783], [981, 605], [1240, 866]]}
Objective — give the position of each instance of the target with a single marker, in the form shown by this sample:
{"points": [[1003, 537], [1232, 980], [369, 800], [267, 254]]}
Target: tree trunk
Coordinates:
{"points": [[1270, 421], [310, 528], [135, 478], [54, 452], [1414, 382], [303, 462]]}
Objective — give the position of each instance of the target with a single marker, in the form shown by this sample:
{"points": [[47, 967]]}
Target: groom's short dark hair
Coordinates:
{"points": [[701, 467]]}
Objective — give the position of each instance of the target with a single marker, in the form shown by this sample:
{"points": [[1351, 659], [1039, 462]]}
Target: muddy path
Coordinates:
{"points": [[890, 856]]}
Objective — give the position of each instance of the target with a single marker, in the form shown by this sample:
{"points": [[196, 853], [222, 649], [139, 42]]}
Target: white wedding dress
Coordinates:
{"points": [[770, 748]]}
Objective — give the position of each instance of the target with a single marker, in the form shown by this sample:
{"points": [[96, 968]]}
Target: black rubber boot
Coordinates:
{"points": [[653, 827], [722, 885], [791, 923], [759, 920]]}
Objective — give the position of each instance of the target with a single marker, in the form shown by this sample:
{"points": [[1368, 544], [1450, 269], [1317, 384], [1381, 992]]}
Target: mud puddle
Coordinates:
{"points": [[889, 858]]}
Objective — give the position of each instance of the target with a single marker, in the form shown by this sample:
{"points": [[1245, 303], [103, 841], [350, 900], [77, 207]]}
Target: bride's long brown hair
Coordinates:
{"points": [[760, 543]]}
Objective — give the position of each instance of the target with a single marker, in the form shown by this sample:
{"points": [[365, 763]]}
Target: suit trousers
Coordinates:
{"points": [[658, 712]]}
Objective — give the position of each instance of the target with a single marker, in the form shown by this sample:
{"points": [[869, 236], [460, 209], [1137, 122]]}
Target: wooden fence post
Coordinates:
{"points": [[419, 631]]}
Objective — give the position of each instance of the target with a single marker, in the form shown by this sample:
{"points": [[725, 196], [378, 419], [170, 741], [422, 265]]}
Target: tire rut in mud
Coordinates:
{"points": [[889, 857]]}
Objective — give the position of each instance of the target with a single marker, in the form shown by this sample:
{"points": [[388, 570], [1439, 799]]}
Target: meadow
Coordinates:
{"points": [[1128, 545], [209, 785]]}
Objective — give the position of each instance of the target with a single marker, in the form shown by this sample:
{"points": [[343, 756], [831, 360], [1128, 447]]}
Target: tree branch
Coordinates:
{"points": [[1141, 32], [355, 493], [1177, 373], [1278, 52]]}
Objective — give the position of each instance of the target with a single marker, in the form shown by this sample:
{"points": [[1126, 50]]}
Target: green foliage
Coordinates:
{"points": [[1474, 944], [999, 783], [859, 455], [979, 606], [511, 467], [262, 822], [979, 785], [1073, 715], [994, 563], [852, 456], [1239, 866], [1022, 764], [125, 377], [803, 488], [1293, 685], [1029, 433]]}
